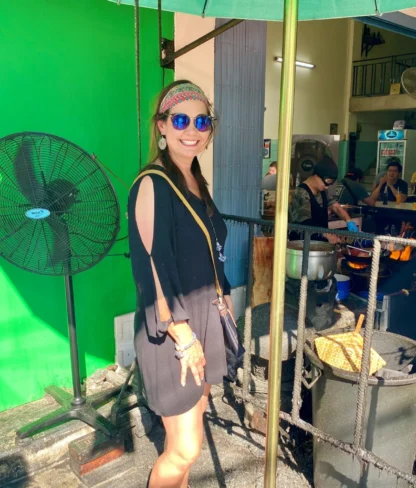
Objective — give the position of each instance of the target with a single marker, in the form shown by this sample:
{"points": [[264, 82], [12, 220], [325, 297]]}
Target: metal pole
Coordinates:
{"points": [[72, 332], [360, 418], [201, 40], [287, 89], [248, 315], [137, 49]]}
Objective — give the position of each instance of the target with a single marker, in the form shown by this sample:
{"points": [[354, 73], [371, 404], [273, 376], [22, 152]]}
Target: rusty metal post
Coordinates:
{"points": [[300, 339], [248, 316]]}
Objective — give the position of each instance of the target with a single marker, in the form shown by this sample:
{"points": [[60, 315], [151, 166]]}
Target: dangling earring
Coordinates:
{"points": [[162, 143]]}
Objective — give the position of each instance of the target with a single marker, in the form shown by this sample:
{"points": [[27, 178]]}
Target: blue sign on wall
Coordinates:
{"points": [[390, 135]]}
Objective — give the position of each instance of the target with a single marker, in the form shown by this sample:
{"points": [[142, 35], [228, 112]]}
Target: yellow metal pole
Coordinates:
{"points": [[287, 90]]}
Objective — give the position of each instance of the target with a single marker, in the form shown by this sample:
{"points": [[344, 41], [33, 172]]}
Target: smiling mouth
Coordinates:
{"points": [[189, 143]]}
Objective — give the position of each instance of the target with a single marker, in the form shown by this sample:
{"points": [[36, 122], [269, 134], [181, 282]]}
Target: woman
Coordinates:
{"points": [[310, 202], [174, 276]]}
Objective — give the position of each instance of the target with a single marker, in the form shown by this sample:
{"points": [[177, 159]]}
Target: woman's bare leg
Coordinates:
{"points": [[204, 398], [184, 435], [203, 404]]}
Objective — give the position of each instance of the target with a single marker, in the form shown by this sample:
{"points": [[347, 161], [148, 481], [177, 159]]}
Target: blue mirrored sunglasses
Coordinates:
{"points": [[202, 122]]}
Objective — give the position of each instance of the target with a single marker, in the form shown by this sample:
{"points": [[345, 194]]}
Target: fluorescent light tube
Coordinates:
{"points": [[298, 63]]}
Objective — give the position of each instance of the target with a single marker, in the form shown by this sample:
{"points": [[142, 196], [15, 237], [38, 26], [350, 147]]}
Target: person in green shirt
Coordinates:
{"points": [[350, 191]]}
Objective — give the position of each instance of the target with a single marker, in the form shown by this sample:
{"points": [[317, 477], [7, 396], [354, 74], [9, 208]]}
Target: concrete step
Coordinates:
{"points": [[24, 458]]}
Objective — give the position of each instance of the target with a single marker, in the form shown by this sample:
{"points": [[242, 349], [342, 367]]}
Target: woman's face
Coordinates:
{"points": [[189, 142]]}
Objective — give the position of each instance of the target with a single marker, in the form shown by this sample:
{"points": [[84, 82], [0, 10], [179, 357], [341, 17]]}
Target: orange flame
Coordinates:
{"points": [[357, 265]]}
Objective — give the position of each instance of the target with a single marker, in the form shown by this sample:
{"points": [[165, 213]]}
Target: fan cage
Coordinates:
{"points": [[59, 214], [409, 81]]}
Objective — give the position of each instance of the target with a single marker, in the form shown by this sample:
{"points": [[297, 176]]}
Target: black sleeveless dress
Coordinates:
{"points": [[183, 264]]}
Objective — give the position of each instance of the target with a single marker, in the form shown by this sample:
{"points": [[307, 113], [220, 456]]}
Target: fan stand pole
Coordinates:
{"points": [[73, 407], [73, 342]]}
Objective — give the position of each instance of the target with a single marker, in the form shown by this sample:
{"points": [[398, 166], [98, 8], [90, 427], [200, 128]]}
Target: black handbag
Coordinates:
{"points": [[234, 350]]}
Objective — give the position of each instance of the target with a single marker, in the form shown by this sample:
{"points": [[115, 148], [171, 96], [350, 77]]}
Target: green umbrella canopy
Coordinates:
{"points": [[273, 9]]}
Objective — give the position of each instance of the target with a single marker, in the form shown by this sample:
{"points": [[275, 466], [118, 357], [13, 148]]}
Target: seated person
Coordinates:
{"points": [[391, 184], [393, 159], [352, 192], [413, 184], [272, 169], [310, 202], [268, 185]]}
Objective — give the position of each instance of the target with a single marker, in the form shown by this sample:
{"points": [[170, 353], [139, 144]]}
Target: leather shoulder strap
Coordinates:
{"points": [[194, 215]]}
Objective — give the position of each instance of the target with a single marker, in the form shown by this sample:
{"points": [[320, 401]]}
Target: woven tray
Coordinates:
{"points": [[344, 351]]}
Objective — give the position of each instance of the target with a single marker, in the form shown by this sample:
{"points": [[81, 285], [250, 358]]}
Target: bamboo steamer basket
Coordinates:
{"points": [[345, 351]]}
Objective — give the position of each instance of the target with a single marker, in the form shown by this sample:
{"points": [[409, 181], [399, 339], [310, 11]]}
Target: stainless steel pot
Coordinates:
{"points": [[322, 260]]}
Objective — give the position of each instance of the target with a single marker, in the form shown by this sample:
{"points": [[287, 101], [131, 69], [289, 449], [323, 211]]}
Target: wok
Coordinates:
{"points": [[364, 257]]}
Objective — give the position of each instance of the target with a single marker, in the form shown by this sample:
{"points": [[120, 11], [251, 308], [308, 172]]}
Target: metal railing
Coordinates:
{"points": [[373, 77], [356, 448]]}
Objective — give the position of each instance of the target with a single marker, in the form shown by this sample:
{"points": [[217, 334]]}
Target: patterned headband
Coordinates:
{"points": [[182, 93]]}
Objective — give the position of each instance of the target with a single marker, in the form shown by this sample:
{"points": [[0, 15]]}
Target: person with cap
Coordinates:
{"points": [[310, 202], [352, 192]]}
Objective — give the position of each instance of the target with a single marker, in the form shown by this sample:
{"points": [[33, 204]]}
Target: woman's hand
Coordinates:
{"points": [[195, 360], [193, 357]]}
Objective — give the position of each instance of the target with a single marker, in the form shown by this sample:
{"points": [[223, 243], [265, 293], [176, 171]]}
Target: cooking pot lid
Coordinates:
{"points": [[314, 246]]}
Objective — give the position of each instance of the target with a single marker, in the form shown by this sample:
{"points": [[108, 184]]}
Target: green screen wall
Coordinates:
{"points": [[68, 68]]}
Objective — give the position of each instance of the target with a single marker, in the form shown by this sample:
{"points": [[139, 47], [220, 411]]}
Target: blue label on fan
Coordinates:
{"points": [[37, 213]]}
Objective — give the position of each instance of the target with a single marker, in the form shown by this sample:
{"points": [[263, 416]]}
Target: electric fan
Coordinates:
{"points": [[59, 216], [409, 81]]}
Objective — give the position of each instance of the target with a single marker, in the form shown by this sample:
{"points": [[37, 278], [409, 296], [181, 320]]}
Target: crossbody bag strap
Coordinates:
{"points": [[194, 215]]}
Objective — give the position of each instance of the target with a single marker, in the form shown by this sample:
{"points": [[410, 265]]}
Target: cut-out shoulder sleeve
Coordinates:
{"points": [[157, 274]]}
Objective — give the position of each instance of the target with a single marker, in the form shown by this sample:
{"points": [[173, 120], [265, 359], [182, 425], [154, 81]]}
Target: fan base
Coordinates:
{"points": [[72, 409]]}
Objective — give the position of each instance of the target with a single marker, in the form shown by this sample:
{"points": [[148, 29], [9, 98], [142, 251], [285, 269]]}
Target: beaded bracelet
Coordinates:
{"points": [[180, 350], [187, 346]]}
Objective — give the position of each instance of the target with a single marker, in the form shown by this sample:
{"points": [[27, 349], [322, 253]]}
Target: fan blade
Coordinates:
{"points": [[60, 196], [61, 252], [24, 170]]}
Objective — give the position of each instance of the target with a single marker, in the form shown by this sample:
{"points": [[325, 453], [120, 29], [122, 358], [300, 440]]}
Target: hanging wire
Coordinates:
{"points": [[159, 18], [203, 10], [95, 157], [377, 10], [137, 38]]}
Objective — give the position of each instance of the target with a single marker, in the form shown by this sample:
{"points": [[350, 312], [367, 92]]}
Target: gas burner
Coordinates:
{"points": [[383, 273], [365, 268], [357, 267]]}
